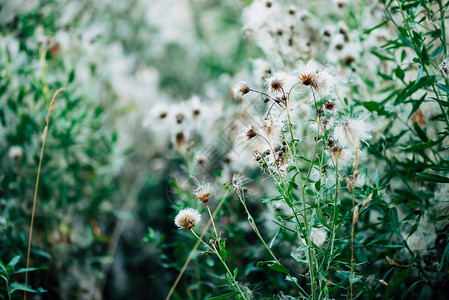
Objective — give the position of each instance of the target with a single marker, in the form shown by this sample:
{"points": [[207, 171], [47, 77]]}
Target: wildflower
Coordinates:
{"points": [[317, 77], [330, 106], [280, 83], [157, 114], [352, 132], [15, 153], [318, 236], [187, 218], [261, 68], [239, 182], [250, 132], [180, 141], [203, 192], [201, 158], [240, 90], [272, 128], [340, 155]]}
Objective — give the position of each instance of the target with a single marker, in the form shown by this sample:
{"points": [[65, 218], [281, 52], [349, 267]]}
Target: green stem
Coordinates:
{"points": [[256, 231], [214, 250]]}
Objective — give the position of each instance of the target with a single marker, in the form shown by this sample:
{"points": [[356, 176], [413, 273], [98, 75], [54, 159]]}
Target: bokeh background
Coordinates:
{"points": [[115, 171]]}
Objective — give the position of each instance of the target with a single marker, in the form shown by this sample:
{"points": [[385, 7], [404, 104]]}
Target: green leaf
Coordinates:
{"points": [[21, 287], [23, 270], [436, 52], [432, 177], [224, 296], [422, 135], [398, 280], [321, 217], [415, 226], [279, 268], [14, 261], [2, 266], [394, 221], [443, 87]]}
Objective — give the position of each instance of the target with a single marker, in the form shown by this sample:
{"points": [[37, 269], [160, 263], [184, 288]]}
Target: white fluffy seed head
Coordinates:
{"points": [[280, 83], [318, 236], [351, 132], [240, 90], [204, 192], [15, 153], [187, 218]]}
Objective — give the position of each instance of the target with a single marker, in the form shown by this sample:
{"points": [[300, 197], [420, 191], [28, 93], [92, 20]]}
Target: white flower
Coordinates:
{"points": [[261, 69], [240, 90], [204, 191], [320, 78], [15, 152], [343, 155], [239, 182], [352, 132], [280, 83], [272, 128], [187, 218], [318, 236]]}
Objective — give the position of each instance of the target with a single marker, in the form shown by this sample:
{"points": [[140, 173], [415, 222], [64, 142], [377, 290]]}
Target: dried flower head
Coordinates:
{"points": [[318, 77], [15, 153], [330, 106], [204, 192], [187, 218], [352, 132], [250, 133], [280, 83], [239, 182], [240, 90]]}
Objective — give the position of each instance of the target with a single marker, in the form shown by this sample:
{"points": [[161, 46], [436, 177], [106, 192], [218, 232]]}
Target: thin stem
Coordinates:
{"points": [[352, 245], [192, 252], [334, 216], [256, 231], [212, 220], [215, 251], [44, 136]]}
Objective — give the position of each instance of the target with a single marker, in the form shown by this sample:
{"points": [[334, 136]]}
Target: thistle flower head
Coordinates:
{"points": [[250, 132], [187, 218], [330, 106], [240, 90], [342, 155], [280, 83], [351, 132], [15, 153], [239, 182], [204, 192], [318, 77]]}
